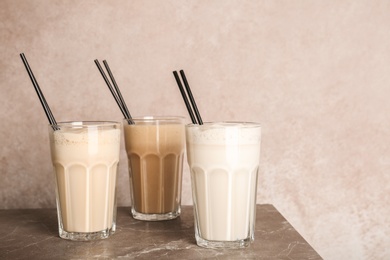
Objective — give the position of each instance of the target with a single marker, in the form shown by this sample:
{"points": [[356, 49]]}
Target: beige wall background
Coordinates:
{"points": [[316, 74]]}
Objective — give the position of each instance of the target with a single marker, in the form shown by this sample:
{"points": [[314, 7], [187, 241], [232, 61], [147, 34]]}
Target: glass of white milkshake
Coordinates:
{"points": [[224, 161], [85, 157]]}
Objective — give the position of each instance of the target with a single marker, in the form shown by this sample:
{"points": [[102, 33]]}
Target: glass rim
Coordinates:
{"points": [[148, 118], [85, 124], [223, 124]]}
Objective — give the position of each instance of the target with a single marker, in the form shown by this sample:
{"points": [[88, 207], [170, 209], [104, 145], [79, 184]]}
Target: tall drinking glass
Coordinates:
{"points": [[85, 157], [155, 151], [224, 161]]}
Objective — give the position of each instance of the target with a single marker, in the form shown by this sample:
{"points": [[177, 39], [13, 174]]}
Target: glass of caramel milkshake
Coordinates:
{"points": [[155, 150], [224, 160], [85, 157]]}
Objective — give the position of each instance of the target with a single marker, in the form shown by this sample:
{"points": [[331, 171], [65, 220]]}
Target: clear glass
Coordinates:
{"points": [[224, 160], [155, 150], [85, 157]]}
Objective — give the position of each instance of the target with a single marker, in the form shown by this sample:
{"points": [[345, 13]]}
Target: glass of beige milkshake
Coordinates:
{"points": [[155, 150], [224, 160], [85, 157]]}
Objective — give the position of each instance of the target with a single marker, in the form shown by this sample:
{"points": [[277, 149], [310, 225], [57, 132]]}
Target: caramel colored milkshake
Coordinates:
{"points": [[85, 157], [155, 150]]}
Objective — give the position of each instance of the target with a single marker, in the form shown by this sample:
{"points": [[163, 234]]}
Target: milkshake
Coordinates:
{"points": [[224, 161], [155, 150], [85, 157]]}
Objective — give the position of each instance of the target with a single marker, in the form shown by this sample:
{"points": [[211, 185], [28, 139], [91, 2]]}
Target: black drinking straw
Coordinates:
{"points": [[192, 100], [41, 97], [186, 93], [116, 93]]}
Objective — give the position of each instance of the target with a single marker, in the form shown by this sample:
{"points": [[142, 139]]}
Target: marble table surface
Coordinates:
{"points": [[32, 234]]}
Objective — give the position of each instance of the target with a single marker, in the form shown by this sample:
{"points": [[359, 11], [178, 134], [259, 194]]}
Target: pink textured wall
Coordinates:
{"points": [[316, 74]]}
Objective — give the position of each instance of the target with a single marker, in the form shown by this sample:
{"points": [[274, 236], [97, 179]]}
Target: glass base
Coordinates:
{"points": [[155, 217], [242, 243], [82, 236]]}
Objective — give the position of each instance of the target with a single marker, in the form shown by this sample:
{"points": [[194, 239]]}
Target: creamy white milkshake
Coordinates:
{"points": [[224, 161], [85, 157]]}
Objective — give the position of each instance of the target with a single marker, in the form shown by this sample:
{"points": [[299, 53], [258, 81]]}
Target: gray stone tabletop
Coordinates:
{"points": [[32, 234]]}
